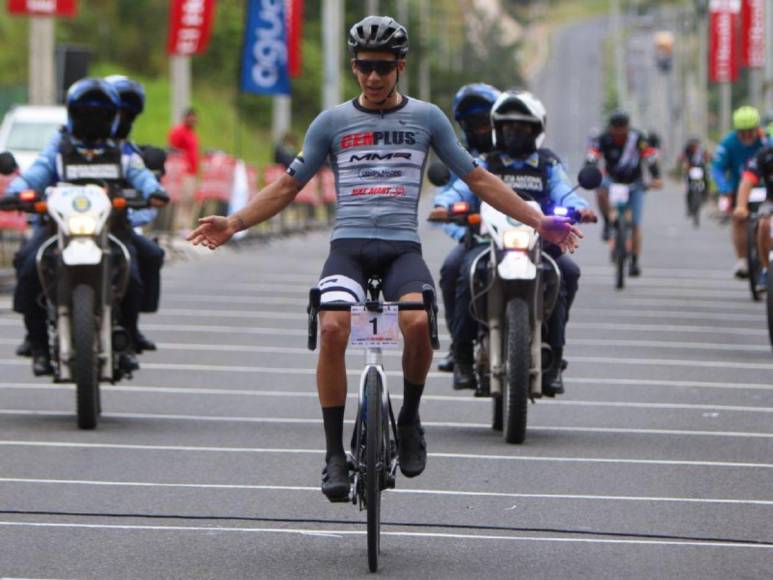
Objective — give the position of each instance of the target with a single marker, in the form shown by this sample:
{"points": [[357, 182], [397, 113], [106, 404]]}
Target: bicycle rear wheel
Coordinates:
{"points": [[374, 463], [620, 252], [753, 259]]}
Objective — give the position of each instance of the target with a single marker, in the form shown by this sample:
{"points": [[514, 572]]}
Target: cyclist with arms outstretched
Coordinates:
{"points": [[377, 145]]}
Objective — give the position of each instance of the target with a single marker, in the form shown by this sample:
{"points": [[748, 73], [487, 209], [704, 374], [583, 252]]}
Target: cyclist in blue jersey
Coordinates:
{"points": [[377, 145], [471, 109], [730, 158]]}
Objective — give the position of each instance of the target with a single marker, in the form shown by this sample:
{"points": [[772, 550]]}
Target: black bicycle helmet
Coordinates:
{"points": [[619, 119], [765, 161], [378, 33]]}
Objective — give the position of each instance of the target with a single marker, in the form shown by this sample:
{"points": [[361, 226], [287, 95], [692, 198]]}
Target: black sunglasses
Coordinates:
{"points": [[382, 67]]}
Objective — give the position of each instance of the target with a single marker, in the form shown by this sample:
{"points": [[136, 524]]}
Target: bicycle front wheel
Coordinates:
{"points": [[374, 463], [620, 251]]}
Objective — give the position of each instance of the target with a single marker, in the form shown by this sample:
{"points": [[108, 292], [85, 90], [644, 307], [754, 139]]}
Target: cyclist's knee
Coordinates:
{"points": [[413, 325], [334, 332]]}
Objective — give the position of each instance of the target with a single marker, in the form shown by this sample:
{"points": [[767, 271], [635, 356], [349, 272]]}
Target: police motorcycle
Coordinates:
{"points": [[515, 286], [84, 270]]}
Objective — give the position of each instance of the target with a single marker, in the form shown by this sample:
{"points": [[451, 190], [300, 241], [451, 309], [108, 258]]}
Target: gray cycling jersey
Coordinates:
{"points": [[378, 160]]}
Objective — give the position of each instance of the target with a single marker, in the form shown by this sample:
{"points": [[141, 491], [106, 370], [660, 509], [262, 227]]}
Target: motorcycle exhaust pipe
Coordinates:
{"points": [[547, 356], [121, 340]]}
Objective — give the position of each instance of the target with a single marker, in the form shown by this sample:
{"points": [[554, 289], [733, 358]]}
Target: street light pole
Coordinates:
{"points": [[332, 38], [41, 83]]}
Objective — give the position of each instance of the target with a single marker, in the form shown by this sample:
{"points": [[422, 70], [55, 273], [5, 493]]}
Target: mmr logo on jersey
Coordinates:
{"points": [[378, 138]]}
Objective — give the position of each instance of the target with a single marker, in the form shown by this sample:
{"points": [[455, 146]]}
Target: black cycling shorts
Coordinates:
{"points": [[352, 261]]}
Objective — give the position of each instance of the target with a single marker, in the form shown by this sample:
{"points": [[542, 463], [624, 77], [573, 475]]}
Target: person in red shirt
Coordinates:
{"points": [[183, 137]]}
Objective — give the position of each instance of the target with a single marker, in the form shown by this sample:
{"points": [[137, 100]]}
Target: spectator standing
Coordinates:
{"points": [[183, 138]]}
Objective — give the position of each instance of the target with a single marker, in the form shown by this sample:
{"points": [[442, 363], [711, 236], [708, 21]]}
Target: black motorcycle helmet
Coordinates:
{"points": [[378, 33], [132, 95], [92, 110]]}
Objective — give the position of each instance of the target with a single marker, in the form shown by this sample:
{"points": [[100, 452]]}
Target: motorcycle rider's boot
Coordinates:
{"points": [[464, 372], [552, 381], [144, 343], [446, 364], [128, 362], [335, 479], [41, 361], [633, 269], [24, 349]]}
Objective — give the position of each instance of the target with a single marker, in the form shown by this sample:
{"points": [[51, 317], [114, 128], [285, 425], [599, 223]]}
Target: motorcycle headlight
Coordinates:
{"points": [[82, 225], [516, 239]]}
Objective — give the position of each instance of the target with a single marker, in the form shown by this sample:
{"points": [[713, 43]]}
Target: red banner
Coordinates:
{"points": [[723, 53], [294, 35], [217, 177], [753, 33], [190, 26], [43, 7]]}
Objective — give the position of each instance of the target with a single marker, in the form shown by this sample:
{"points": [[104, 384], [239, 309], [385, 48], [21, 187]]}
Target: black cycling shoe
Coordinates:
{"points": [[335, 479], [25, 348], [41, 365], [633, 270], [411, 448], [446, 364], [144, 343], [605, 232]]}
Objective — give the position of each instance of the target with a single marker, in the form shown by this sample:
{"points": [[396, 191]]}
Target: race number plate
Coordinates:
{"points": [[758, 195], [696, 173], [375, 329], [619, 193]]}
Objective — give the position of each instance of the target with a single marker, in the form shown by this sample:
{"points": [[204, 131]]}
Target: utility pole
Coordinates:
{"points": [[703, 67], [41, 83], [616, 22], [180, 73], [425, 88], [332, 39], [403, 17], [281, 116], [371, 8], [768, 83]]}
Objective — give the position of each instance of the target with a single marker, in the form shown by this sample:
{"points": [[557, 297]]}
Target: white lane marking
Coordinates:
{"points": [[718, 305], [705, 330], [320, 452], [356, 372], [669, 383], [333, 533], [669, 344], [138, 389], [441, 492], [639, 313], [310, 421]]}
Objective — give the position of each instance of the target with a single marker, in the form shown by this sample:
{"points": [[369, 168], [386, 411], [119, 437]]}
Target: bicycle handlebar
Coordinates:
{"points": [[427, 304]]}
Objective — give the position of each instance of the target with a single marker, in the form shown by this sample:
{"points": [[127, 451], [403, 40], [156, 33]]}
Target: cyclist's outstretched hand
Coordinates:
{"points": [[213, 231], [561, 232]]}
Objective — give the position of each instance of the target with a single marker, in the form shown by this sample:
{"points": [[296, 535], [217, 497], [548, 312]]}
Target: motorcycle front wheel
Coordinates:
{"points": [[84, 365], [515, 398]]}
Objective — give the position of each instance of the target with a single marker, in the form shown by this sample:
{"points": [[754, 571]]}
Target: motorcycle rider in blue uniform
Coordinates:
{"points": [[519, 121], [150, 255], [472, 111], [92, 118]]}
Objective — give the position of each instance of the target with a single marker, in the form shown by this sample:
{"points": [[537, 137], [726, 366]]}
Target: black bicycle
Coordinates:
{"points": [[622, 230], [752, 253], [373, 458]]}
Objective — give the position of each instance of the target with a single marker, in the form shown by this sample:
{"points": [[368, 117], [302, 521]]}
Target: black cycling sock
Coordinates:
{"points": [[333, 418], [411, 398]]}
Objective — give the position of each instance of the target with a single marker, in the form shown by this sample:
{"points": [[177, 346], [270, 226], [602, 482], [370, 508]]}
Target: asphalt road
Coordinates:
{"points": [[656, 463]]}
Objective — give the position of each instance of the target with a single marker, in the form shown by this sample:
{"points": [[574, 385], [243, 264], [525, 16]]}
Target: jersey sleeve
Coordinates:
{"points": [[41, 173], [720, 165], [316, 147], [446, 144]]}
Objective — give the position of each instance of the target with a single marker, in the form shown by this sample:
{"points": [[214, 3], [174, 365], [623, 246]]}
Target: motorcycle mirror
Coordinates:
{"points": [[438, 174], [589, 177], [8, 165], [154, 158]]}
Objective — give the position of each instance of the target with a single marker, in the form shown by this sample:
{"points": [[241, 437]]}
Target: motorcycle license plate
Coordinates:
{"points": [[696, 173], [758, 195], [619, 193], [375, 329]]}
